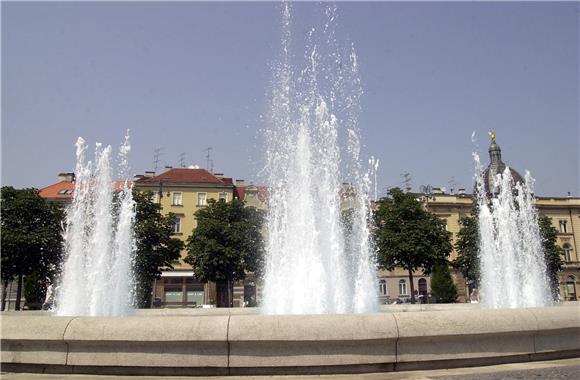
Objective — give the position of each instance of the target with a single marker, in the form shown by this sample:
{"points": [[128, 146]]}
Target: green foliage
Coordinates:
{"points": [[35, 290], [408, 236], [156, 249], [467, 247], [227, 242], [552, 252], [31, 234], [442, 286]]}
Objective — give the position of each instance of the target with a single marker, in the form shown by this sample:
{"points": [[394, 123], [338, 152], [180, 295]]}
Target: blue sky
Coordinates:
{"points": [[187, 75]]}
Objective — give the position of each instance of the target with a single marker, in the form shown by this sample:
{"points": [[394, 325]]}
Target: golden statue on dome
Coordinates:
{"points": [[492, 135]]}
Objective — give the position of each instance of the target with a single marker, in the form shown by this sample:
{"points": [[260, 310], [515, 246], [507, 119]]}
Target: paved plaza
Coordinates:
{"points": [[546, 370]]}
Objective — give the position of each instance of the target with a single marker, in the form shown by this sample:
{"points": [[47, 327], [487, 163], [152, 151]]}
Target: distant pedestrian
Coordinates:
{"points": [[474, 296]]}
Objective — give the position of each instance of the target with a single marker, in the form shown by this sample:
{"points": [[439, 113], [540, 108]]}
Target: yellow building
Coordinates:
{"points": [[183, 191]]}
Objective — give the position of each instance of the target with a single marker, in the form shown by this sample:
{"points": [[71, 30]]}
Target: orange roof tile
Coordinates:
{"points": [[184, 176], [65, 190], [59, 190], [263, 193]]}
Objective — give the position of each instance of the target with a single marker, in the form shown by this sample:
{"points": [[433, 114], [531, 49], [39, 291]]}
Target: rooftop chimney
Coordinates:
{"points": [[149, 174], [239, 182], [66, 177], [219, 175]]}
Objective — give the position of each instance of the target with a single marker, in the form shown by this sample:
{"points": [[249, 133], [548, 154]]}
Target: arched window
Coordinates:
{"points": [[383, 287], [571, 288], [402, 287], [567, 253]]}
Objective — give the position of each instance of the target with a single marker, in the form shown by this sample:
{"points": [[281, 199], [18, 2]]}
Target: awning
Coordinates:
{"points": [[185, 273]]}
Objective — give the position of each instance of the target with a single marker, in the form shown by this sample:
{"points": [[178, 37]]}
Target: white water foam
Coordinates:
{"points": [[97, 274], [319, 256]]}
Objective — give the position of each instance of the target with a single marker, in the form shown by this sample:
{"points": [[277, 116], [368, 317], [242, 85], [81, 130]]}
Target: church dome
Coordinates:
{"points": [[497, 166]]}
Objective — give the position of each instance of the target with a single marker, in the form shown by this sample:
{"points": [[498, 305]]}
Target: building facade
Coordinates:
{"points": [[181, 192]]}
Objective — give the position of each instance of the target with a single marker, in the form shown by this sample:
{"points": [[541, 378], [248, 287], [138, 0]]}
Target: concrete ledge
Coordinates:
{"points": [[311, 340], [148, 341], [464, 334], [247, 344], [34, 339]]}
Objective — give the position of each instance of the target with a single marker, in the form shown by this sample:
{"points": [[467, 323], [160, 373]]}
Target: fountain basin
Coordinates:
{"points": [[245, 343]]}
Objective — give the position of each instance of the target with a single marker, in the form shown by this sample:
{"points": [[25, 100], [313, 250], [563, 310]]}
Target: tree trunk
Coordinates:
{"points": [[229, 294], [4, 288], [152, 299], [412, 286], [18, 292]]}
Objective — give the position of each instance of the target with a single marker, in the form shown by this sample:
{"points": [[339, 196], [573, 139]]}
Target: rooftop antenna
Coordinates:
{"points": [[208, 158], [407, 181], [182, 160], [427, 191], [156, 154], [452, 185]]}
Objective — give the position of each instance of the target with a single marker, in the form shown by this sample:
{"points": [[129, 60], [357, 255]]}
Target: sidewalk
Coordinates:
{"points": [[553, 369]]}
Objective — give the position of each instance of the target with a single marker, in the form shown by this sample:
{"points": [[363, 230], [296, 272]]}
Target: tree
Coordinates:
{"points": [[32, 241], [35, 290], [467, 247], [442, 286], [552, 252], [226, 244], [156, 249], [408, 236]]}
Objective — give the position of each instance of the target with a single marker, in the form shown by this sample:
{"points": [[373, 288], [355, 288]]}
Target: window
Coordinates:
{"points": [[183, 291], [567, 255], [383, 287], [423, 286], [173, 295], [571, 288], [201, 199], [177, 224], [563, 227], [195, 296], [177, 201], [402, 287], [223, 196]]}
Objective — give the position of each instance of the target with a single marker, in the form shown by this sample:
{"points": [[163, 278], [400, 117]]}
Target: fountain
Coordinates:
{"points": [[312, 258], [96, 276], [512, 265], [315, 263]]}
